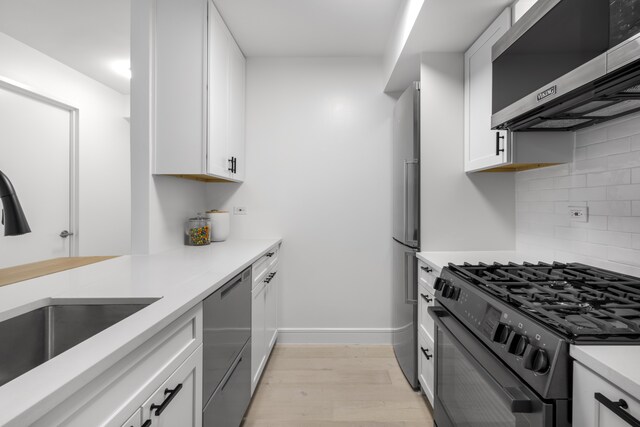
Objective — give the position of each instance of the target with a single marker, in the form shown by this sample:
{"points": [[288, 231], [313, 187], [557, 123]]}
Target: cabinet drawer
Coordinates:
{"points": [[427, 276], [264, 264], [425, 322], [591, 412], [426, 359]]}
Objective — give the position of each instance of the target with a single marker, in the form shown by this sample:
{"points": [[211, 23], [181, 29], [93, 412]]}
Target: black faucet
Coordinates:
{"points": [[15, 223]]}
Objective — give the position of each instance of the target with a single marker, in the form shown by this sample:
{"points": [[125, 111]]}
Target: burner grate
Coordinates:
{"points": [[576, 300]]}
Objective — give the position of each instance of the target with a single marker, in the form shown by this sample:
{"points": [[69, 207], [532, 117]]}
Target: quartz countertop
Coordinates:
{"points": [[181, 278], [618, 364]]}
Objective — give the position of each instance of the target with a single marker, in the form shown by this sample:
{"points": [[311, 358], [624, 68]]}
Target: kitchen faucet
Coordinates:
{"points": [[15, 223]]}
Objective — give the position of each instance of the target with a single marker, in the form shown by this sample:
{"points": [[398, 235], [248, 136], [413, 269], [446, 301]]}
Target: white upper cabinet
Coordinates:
{"points": [[483, 148], [199, 93]]}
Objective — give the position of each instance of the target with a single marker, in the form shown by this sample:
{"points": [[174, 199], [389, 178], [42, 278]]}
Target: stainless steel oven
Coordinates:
{"points": [[475, 389]]}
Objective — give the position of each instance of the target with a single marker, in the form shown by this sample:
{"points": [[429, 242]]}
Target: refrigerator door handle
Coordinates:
{"points": [[409, 277], [407, 238]]}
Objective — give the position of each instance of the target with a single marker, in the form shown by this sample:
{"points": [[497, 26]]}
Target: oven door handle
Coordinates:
{"points": [[514, 397]]}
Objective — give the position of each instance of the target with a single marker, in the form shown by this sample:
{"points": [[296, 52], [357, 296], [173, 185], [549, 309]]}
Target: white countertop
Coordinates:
{"points": [[617, 364], [181, 278]]}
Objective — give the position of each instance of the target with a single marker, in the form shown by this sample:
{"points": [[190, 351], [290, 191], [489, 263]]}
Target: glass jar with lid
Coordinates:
{"points": [[197, 231]]}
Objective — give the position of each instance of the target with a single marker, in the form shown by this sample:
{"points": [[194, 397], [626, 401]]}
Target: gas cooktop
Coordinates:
{"points": [[581, 303]]}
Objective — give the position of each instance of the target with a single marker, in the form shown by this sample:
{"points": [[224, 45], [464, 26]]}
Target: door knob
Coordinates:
{"points": [[65, 233]]}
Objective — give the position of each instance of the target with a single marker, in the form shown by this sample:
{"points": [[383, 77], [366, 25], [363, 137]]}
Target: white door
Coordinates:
{"points": [[218, 133], [484, 148], [271, 312], [237, 71], [36, 141], [258, 355]]}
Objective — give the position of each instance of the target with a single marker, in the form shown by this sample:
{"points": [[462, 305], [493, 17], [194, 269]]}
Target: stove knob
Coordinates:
{"points": [[456, 294], [537, 361], [501, 333], [518, 344], [439, 283], [447, 291]]}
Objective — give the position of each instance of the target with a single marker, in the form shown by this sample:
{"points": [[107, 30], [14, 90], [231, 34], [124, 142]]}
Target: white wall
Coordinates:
{"points": [[459, 211], [605, 176], [319, 175], [104, 171]]}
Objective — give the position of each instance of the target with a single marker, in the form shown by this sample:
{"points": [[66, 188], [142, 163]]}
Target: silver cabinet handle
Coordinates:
{"points": [[65, 233]]}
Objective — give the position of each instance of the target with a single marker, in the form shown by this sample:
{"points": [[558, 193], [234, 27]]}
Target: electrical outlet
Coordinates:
{"points": [[239, 210], [579, 213]]}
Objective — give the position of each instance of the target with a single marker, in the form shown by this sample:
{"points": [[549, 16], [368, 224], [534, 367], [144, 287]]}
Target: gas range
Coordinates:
{"points": [[528, 314]]}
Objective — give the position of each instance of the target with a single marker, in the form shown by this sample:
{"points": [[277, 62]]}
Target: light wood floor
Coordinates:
{"points": [[320, 385]]}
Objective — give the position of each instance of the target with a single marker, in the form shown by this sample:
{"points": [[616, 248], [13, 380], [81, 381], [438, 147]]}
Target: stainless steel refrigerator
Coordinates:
{"points": [[406, 229]]}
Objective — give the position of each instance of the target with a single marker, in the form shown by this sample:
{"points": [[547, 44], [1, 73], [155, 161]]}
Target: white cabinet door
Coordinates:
{"points": [[237, 66], [178, 402], [218, 130], [258, 333], [484, 148], [588, 411], [271, 312]]}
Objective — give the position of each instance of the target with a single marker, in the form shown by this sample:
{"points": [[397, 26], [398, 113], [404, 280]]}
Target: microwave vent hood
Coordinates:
{"points": [[552, 77]]}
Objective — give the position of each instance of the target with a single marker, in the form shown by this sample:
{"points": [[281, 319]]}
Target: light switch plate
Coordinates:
{"points": [[579, 213]]}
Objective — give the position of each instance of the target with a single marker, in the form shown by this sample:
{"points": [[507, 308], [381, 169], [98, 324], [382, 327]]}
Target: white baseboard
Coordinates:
{"points": [[334, 335]]}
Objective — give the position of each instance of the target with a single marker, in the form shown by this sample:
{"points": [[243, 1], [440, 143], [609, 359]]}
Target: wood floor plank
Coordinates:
{"points": [[335, 386]]}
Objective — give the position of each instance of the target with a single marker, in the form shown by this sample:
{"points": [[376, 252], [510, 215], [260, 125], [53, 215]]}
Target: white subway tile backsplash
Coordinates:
{"points": [[591, 136], [629, 224], [575, 234], [616, 177], [591, 165], [571, 181], [542, 184], [580, 153], [626, 127], [608, 148], [621, 161], [610, 238], [605, 176], [592, 193], [624, 192], [596, 222], [610, 208], [625, 256]]}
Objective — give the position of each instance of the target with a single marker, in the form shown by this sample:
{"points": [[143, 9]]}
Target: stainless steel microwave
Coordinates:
{"points": [[568, 64]]}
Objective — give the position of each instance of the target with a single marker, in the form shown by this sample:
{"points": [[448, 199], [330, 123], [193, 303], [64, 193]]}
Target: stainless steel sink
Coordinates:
{"points": [[32, 338]]}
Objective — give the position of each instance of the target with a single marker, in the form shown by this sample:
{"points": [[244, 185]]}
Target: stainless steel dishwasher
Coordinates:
{"points": [[227, 353]]}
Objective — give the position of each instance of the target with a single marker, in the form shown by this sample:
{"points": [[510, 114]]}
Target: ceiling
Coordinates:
{"points": [[310, 27], [87, 35], [443, 26]]}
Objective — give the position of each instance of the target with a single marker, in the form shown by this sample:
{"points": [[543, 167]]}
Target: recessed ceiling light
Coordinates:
{"points": [[122, 68]]}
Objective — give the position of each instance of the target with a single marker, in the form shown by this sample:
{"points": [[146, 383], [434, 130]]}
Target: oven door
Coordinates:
{"points": [[474, 388]]}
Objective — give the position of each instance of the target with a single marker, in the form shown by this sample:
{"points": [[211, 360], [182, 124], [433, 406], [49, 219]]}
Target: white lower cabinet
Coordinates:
{"points": [[426, 365], [426, 329], [122, 395], [178, 402], [599, 403], [264, 320], [258, 333]]}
